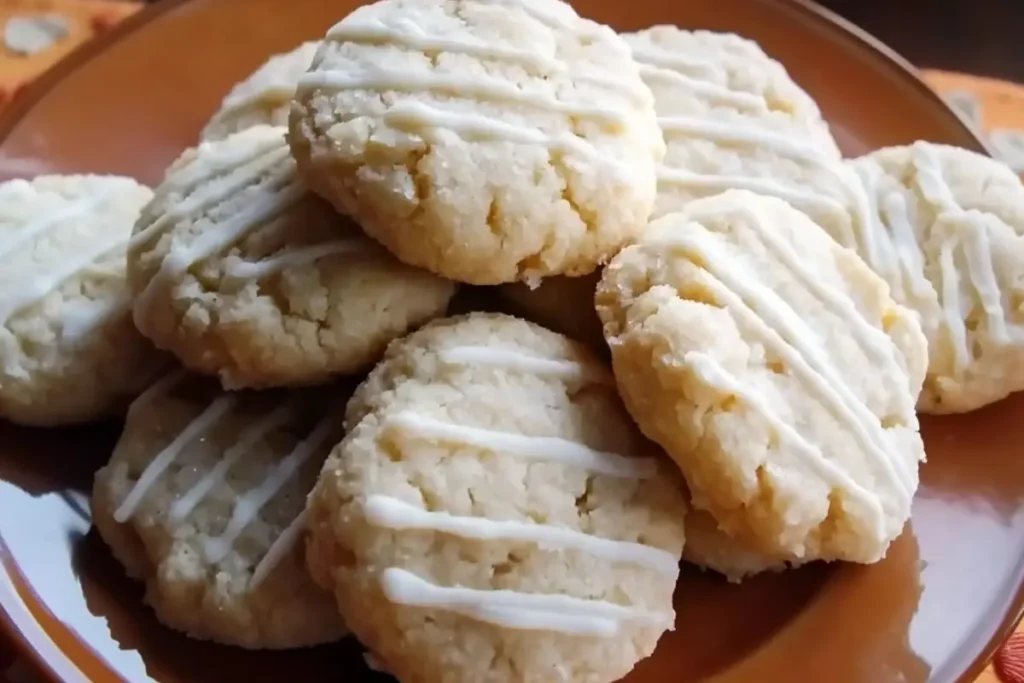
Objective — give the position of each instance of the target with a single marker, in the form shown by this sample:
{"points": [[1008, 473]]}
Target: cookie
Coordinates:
{"points": [[711, 548], [774, 367], [242, 272], [68, 350], [494, 515], [732, 118], [264, 97], [485, 141], [946, 231], [562, 304], [203, 500]]}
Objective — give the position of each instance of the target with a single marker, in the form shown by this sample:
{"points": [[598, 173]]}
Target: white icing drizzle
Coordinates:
{"points": [[209, 194], [278, 91], [213, 159], [279, 549], [736, 132], [673, 61], [209, 417], [11, 241], [246, 440], [155, 390], [788, 336], [805, 200], [545, 448], [713, 92], [553, 15], [37, 287], [424, 120], [481, 87], [248, 506], [267, 205], [895, 252], [391, 513], [297, 256], [497, 357], [516, 610], [713, 374]]}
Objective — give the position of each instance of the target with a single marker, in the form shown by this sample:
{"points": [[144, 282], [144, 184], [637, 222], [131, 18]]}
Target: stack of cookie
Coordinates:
{"points": [[494, 500]]}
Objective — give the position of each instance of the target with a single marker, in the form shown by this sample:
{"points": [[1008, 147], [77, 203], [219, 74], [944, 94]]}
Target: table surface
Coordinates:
{"points": [[985, 39]]}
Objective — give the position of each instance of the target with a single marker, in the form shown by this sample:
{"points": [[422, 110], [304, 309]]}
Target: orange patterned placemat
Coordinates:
{"points": [[995, 108]]}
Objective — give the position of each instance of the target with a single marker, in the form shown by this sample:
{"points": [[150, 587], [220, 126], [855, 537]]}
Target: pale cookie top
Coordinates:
{"points": [[774, 367], [204, 501], [732, 118], [68, 350], [493, 496], [485, 140], [242, 272], [946, 231], [264, 97]]}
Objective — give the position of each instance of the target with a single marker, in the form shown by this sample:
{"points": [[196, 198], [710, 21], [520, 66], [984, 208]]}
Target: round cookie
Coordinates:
{"points": [[732, 118], [242, 272], [69, 352], [485, 141], [709, 547], [493, 514], [562, 304], [774, 367], [946, 231], [264, 97], [204, 500]]}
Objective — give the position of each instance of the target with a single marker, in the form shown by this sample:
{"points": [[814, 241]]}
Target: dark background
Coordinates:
{"points": [[984, 37]]}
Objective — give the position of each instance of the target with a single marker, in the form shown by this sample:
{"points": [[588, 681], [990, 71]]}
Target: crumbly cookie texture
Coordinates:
{"points": [[264, 97], [487, 142], [203, 500], [242, 272], [774, 367], [945, 228], [562, 304], [68, 350], [709, 547], [732, 118], [493, 515]]}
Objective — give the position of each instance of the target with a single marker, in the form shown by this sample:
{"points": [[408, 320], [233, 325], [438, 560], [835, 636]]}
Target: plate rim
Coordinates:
{"points": [[29, 638]]}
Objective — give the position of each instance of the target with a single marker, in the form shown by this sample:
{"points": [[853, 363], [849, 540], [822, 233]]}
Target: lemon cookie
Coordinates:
{"points": [[68, 350], [203, 500], [493, 514], [774, 367], [241, 272], [485, 141], [732, 118], [709, 547], [947, 234], [264, 97], [562, 304]]}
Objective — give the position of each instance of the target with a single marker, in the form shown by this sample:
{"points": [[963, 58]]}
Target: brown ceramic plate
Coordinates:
{"points": [[932, 611]]}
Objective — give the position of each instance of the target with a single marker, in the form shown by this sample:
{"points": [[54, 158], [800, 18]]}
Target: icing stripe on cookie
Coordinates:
{"points": [[810, 202], [391, 513], [409, 35], [249, 505], [545, 448], [496, 357], [10, 242], [297, 256], [789, 337], [515, 610], [279, 193], [673, 61], [733, 132], [423, 120], [36, 288], [246, 441], [279, 549], [204, 195], [480, 87], [714, 375], [209, 417], [712, 91]]}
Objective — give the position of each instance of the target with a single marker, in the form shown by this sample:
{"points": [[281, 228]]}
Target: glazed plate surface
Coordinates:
{"points": [[932, 611]]}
